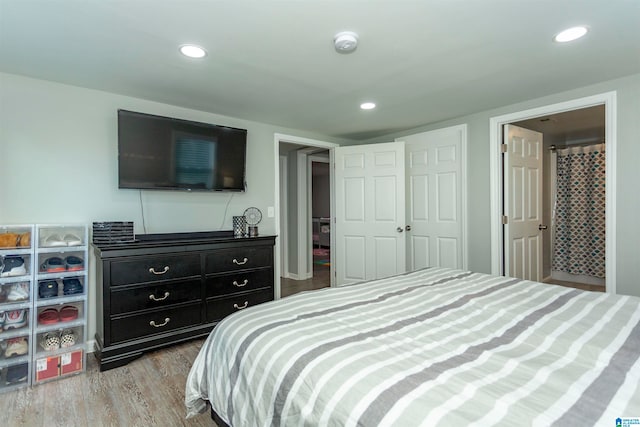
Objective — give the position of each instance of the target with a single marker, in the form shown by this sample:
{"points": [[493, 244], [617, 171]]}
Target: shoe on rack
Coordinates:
{"points": [[9, 240], [3, 318], [13, 266], [18, 292], [71, 239], [68, 313], [17, 373], [53, 265], [48, 289], [50, 341], [3, 294], [48, 316], [74, 263], [24, 240], [67, 338], [53, 241], [72, 286], [16, 347], [15, 319]]}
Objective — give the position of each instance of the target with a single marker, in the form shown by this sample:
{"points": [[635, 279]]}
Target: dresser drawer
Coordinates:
{"points": [[142, 325], [154, 268], [222, 307], [238, 282], [126, 299], [233, 259]]}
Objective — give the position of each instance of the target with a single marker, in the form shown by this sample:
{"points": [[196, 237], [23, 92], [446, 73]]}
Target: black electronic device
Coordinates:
{"points": [[163, 153]]}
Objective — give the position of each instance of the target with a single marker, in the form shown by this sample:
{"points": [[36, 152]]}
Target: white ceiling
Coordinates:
{"points": [[271, 61]]}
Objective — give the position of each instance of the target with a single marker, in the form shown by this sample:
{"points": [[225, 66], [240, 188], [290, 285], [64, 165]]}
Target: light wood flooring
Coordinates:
{"points": [[584, 287], [147, 392]]}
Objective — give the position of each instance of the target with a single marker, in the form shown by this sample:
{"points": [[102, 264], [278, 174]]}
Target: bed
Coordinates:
{"points": [[432, 347]]}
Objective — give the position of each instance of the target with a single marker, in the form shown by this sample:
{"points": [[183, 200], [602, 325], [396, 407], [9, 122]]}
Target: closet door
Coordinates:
{"points": [[370, 211], [435, 184]]}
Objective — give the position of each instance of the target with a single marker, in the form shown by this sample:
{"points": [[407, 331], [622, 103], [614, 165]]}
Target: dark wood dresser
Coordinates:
{"points": [[167, 288]]}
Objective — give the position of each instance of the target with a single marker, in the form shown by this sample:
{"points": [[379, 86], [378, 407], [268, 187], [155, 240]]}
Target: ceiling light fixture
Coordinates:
{"points": [[345, 42], [192, 51], [368, 105], [570, 34]]}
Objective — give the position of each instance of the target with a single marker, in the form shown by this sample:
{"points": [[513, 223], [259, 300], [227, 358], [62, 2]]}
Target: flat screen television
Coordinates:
{"points": [[163, 153]]}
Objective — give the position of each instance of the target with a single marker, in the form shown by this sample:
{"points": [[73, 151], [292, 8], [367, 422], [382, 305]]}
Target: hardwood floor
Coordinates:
{"points": [[321, 279], [147, 392], [585, 287]]}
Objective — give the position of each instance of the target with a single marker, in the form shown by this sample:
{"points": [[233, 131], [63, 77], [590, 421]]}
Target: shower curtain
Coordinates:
{"points": [[579, 245]]}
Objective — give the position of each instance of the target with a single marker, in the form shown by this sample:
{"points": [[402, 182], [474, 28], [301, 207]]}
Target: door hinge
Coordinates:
{"points": [[505, 220], [503, 148]]}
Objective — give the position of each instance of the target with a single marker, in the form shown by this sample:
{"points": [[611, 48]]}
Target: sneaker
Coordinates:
{"points": [[16, 347], [72, 286], [72, 240], [73, 263], [52, 265], [50, 341], [52, 241], [48, 289], [17, 373], [19, 292], [13, 266], [3, 318], [15, 319], [67, 338]]}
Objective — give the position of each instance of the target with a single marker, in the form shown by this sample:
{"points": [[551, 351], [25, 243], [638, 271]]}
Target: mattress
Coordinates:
{"points": [[432, 347]]}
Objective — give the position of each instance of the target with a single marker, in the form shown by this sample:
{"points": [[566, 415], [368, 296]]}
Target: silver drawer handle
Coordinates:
{"points": [[153, 323], [236, 306], [235, 283], [244, 261], [155, 298], [153, 270]]}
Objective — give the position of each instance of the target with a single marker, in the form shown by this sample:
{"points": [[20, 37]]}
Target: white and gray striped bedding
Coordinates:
{"points": [[433, 347]]}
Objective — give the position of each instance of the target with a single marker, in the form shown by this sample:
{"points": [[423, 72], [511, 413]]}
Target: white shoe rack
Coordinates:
{"points": [[60, 292], [16, 306]]}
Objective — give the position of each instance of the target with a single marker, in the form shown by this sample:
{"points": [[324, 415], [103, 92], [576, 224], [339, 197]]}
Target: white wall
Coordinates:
{"points": [[58, 164], [628, 174]]}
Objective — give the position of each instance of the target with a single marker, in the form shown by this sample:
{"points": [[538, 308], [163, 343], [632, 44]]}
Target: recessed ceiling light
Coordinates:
{"points": [[570, 34], [192, 51], [368, 105]]}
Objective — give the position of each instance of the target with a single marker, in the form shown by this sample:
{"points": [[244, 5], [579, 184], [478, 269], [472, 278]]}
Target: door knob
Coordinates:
{"points": [[399, 229], [408, 228], [542, 227]]}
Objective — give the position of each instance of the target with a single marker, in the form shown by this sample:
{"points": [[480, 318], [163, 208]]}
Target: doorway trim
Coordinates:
{"points": [[292, 139], [496, 177]]}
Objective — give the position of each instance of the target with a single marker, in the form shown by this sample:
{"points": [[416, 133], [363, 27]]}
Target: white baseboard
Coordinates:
{"points": [[91, 346]]}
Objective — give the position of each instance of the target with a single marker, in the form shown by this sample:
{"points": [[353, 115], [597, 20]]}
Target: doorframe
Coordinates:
{"points": [[284, 246], [314, 157], [302, 206], [608, 99]]}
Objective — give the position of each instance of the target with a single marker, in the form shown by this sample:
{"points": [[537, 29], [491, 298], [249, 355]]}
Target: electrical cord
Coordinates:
{"points": [[224, 217], [144, 225]]}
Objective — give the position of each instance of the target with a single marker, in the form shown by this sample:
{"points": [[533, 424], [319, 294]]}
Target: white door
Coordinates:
{"points": [[369, 211], [435, 183], [523, 203]]}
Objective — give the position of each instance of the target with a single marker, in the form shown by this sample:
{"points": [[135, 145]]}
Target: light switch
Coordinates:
{"points": [[270, 211]]}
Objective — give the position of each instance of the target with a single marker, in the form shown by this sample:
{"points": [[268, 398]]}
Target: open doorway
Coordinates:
{"points": [[320, 209], [304, 194], [598, 108], [573, 196]]}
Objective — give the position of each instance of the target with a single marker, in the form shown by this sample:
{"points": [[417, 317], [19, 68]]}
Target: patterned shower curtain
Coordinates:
{"points": [[580, 211]]}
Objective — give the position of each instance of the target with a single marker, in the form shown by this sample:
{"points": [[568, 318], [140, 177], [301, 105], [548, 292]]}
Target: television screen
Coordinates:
{"points": [[163, 153]]}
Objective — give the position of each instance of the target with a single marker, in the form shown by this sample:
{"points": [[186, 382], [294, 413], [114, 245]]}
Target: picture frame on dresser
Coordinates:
{"points": [[163, 289]]}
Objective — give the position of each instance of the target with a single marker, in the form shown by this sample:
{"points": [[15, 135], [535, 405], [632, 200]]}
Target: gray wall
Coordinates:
{"points": [[320, 198], [628, 174]]}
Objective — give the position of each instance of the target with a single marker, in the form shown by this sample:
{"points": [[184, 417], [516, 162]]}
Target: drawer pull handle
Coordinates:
{"points": [[244, 261], [153, 270], [153, 323], [235, 283], [155, 298], [240, 307]]}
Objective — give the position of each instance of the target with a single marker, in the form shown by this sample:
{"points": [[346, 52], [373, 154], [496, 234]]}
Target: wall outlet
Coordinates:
{"points": [[271, 211]]}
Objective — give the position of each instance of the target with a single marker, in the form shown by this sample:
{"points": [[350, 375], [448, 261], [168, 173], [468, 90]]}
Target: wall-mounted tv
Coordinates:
{"points": [[163, 153]]}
